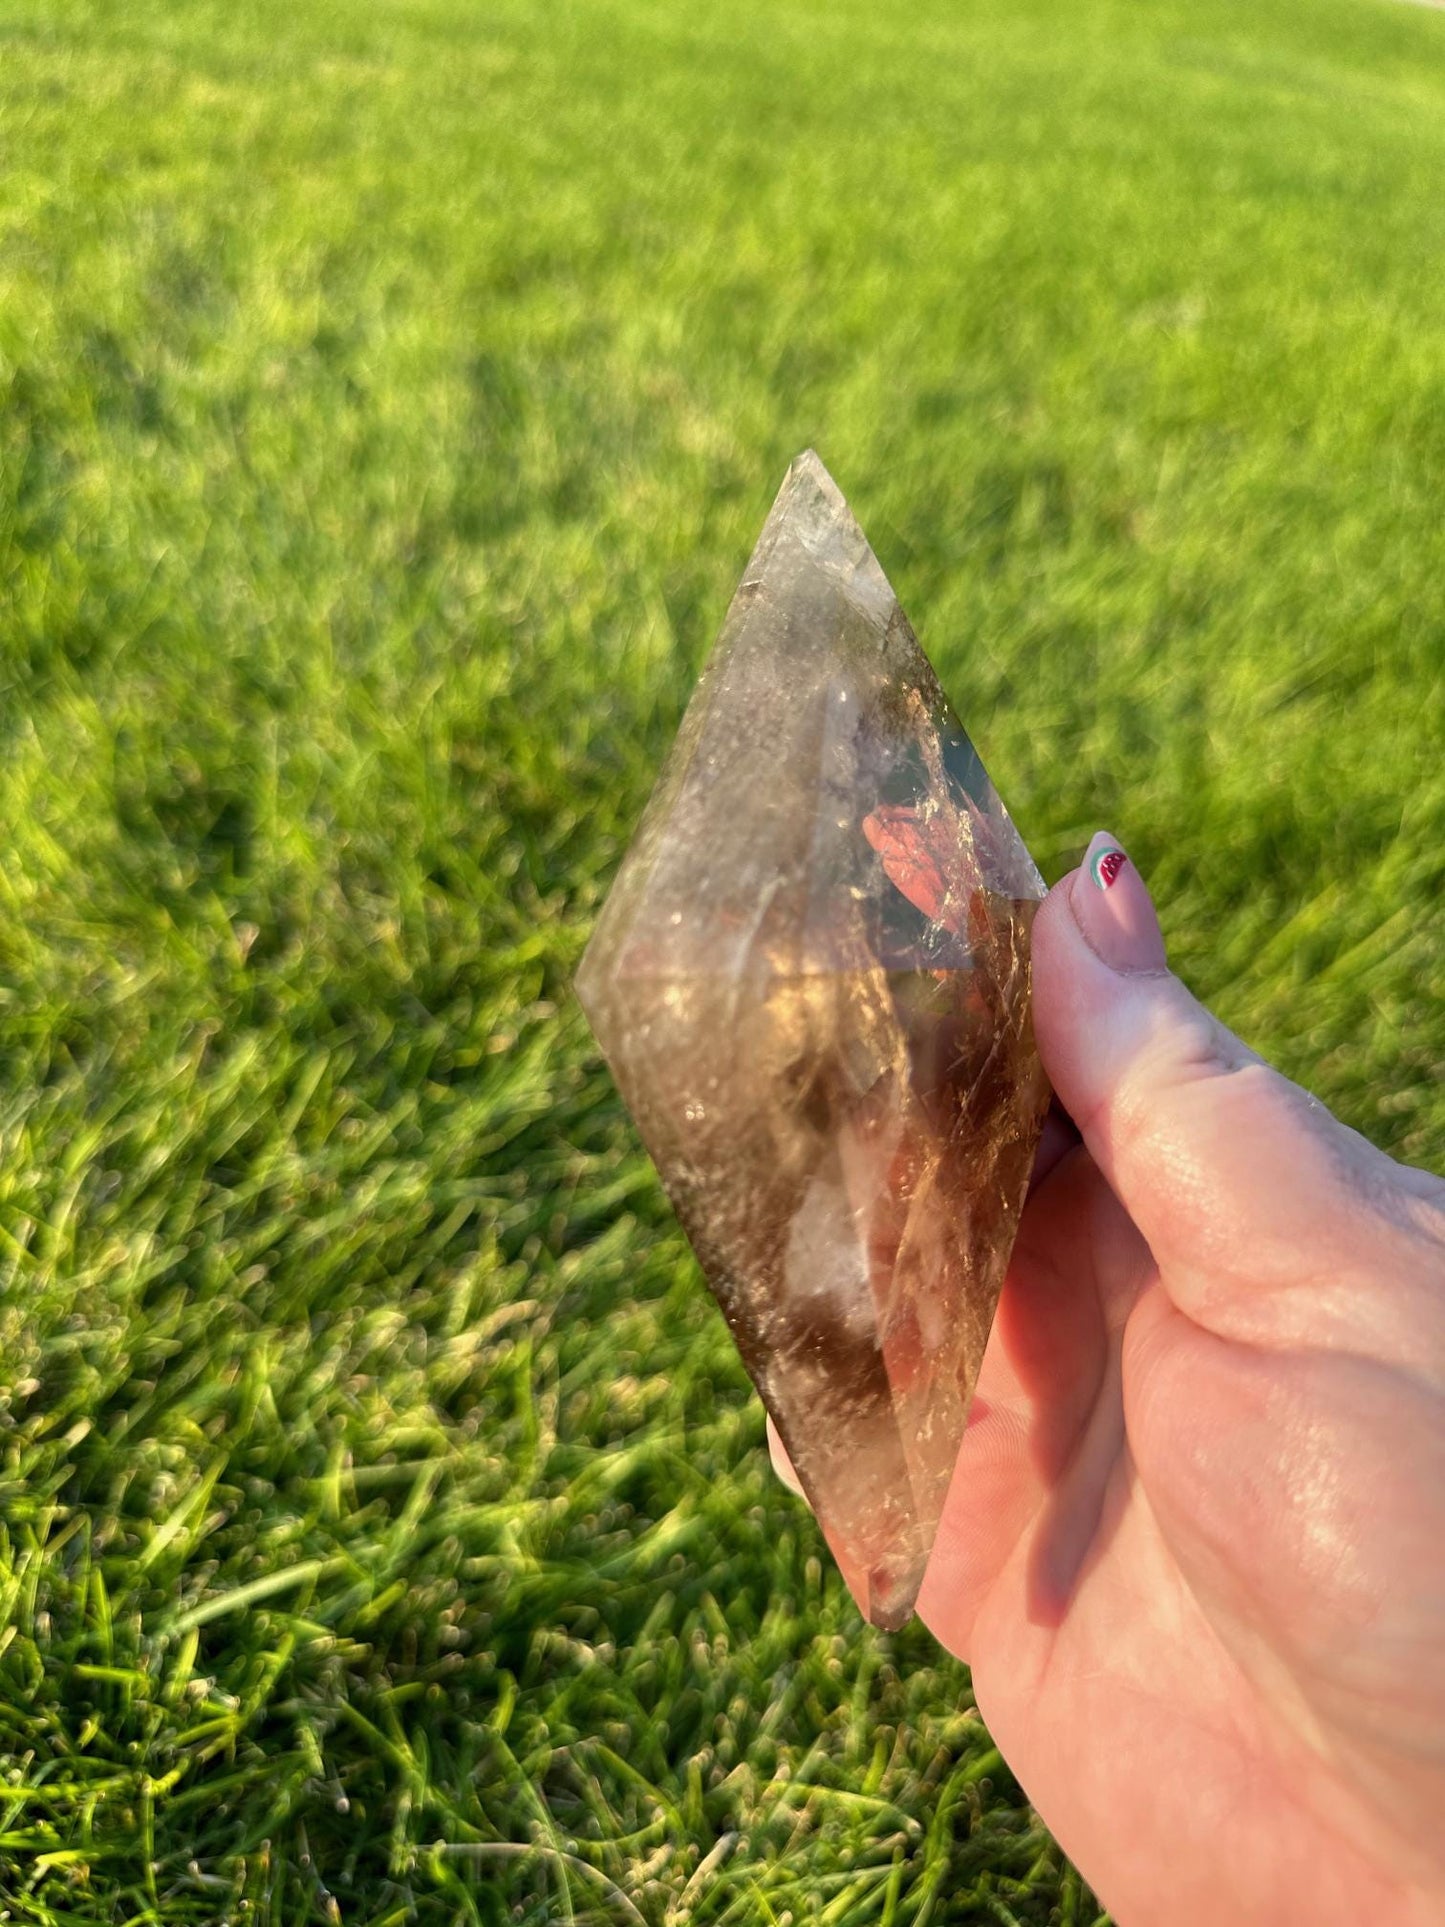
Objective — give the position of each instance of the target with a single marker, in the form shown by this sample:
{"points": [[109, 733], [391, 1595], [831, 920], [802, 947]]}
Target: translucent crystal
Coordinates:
{"points": [[811, 980]]}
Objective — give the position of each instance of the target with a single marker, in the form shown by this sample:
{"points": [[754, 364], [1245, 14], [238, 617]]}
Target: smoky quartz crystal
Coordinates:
{"points": [[811, 981]]}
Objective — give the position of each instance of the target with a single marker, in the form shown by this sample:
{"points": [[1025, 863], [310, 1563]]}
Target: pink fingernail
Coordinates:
{"points": [[1114, 910]]}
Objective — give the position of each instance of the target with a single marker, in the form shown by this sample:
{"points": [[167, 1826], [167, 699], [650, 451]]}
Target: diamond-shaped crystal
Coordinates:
{"points": [[811, 980]]}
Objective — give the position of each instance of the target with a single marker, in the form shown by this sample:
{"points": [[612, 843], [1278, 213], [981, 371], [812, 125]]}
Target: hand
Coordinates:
{"points": [[1194, 1548]]}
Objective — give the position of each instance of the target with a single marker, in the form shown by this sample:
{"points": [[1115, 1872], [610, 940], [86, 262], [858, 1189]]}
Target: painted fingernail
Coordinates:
{"points": [[1114, 910], [1105, 865]]}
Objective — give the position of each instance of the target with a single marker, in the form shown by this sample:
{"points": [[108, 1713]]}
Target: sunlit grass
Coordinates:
{"points": [[389, 396]]}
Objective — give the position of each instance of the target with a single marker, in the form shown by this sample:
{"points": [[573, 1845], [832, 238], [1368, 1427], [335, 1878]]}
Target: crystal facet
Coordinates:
{"points": [[811, 980]]}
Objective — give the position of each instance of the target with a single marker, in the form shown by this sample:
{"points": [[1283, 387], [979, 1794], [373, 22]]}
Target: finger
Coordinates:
{"points": [[1076, 1269], [1059, 1136], [782, 1464], [1266, 1216]]}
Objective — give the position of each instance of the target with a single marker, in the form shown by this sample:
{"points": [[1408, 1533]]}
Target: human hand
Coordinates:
{"points": [[1194, 1548]]}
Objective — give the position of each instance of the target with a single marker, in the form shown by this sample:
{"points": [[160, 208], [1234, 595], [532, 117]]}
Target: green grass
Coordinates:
{"points": [[389, 395]]}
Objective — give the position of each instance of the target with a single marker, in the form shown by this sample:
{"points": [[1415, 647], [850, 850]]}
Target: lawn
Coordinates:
{"points": [[390, 393]]}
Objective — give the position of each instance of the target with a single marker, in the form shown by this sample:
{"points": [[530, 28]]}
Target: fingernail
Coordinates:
{"points": [[1114, 910]]}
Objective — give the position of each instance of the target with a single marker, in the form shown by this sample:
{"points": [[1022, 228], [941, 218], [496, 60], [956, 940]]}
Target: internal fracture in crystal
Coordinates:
{"points": [[811, 980]]}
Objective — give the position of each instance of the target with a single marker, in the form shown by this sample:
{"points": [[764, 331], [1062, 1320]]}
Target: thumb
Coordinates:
{"points": [[1264, 1214]]}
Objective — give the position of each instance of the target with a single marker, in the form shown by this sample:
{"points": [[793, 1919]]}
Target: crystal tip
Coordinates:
{"points": [[810, 466]]}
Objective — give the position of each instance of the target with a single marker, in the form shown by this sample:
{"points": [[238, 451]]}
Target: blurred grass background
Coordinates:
{"points": [[389, 397]]}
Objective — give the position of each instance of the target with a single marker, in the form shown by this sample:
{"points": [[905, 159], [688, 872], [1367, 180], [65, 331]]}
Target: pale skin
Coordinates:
{"points": [[1194, 1550]]}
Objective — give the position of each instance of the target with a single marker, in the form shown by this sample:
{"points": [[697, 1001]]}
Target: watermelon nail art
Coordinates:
{"points": [[1105, 865]]}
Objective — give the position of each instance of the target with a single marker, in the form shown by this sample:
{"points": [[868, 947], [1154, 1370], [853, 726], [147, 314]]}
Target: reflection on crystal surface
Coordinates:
{"points": [[811, 980]]}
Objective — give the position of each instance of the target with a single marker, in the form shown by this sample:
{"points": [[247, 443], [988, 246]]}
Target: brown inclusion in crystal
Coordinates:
{"points": [[811, 980]]}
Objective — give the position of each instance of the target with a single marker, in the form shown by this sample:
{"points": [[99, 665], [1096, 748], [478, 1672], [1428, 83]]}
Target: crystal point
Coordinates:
{"points": [[811, 980]]}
